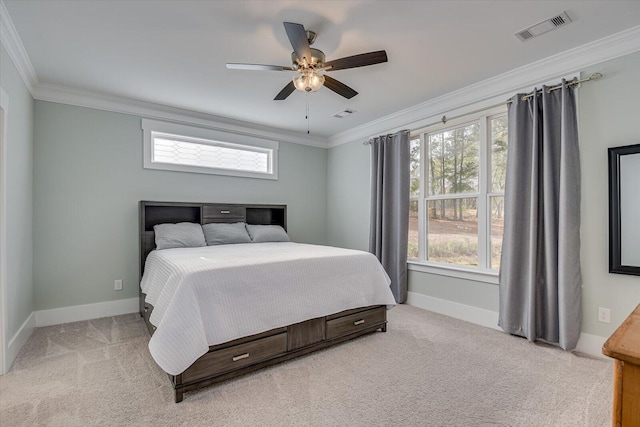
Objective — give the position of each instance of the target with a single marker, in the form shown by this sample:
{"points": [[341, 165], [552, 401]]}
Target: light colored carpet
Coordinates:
{"points": [[427, 370]]}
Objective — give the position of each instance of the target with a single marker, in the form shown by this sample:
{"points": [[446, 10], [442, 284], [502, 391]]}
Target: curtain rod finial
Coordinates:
{"points": [[595, 76]]}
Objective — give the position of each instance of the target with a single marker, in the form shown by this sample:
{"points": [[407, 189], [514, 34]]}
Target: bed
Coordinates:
{"points": [[217, 312]]}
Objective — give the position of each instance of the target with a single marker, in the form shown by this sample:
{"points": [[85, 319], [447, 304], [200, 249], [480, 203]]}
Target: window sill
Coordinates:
{"points": [[486, 276]]}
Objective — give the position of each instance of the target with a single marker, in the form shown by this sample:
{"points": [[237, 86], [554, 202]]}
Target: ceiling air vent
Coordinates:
{"points": [[543, 27], [342, 114]]}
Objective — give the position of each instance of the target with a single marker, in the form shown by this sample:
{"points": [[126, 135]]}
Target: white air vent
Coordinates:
{"points": [[543, 27], [344, 113]]}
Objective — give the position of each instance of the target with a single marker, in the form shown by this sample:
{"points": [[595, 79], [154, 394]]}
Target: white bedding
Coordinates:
{"points": [[214, 294]]}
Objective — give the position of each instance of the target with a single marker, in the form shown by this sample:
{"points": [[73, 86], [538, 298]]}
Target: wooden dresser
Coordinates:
{"points": [[624, 347]]}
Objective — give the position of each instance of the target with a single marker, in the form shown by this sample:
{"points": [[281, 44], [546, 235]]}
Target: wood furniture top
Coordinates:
{"points": [[624, 347], [624, 344]]}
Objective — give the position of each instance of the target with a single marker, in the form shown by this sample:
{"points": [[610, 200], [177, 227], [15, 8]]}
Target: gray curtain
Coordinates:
{"points": [[390, 207], [540, 280]]}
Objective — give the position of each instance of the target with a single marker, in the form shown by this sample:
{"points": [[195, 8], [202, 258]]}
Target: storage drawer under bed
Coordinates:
{"points": [[355, 322], [230, 358]]}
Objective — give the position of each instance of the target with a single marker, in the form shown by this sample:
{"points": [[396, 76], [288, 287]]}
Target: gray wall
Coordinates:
{"points": [[348, 184], [608, 115], [89, 179], [19, 196], [468, 292]]}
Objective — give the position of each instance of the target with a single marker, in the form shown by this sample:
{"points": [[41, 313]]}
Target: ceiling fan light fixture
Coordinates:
{"points": [[308, 81]]}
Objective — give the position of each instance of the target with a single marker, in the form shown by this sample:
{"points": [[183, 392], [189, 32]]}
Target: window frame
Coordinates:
{"points": [[192, 134], [483, 272]]}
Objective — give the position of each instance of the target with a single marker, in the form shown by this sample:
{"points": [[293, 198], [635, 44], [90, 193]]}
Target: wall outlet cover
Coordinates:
{"points": [[604, 315]]}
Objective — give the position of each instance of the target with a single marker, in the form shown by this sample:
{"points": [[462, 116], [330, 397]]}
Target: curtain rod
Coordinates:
{"points": [[444, 119], [368, 142], [575, 81]]}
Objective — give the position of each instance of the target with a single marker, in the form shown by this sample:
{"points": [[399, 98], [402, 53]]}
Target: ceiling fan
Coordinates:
{"points": [[310, 65]]}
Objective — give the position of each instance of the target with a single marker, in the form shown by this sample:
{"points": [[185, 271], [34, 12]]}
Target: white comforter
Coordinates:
{"points": [[214, 294]]}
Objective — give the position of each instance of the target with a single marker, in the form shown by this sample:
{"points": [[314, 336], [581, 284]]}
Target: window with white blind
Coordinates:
{"points": [[169, 146]]}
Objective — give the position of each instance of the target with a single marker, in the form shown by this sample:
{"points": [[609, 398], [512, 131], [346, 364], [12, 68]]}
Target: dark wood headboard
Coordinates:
{"points": [[152, 213]]}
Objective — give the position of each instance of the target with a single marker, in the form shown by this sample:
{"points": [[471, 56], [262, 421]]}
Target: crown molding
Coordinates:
{"points": [[503, 85], [479, 94], [18, 54], [145, 109], [101, 101]]}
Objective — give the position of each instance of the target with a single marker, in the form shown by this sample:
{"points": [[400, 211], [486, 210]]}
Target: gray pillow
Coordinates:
{"points": [[181, 235], [267, 233], [225, 234]]}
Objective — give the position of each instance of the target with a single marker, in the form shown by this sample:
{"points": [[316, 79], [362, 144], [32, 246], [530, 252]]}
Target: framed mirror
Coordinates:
{"points": [[624, 209]]}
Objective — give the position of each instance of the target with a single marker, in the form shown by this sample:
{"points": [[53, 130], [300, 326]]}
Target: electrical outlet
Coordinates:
{"points": [[604, 315], [117, 285]]}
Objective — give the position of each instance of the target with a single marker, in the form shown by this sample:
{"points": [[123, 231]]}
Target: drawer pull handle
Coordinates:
{"points": [[358, 322], [225, 212], [146, 309], [240, 357]]}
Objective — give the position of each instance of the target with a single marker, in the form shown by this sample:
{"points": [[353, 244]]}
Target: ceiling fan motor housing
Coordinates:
{"points": [[317, 59]]}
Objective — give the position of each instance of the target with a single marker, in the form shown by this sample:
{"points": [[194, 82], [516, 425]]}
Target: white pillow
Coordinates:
{"points": [[181, 235]]}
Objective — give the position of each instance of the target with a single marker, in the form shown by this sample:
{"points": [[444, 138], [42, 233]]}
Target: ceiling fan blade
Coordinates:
{"points": [[285, 92], [354, 61], [338, 87], [298, 38], [257, 67]]}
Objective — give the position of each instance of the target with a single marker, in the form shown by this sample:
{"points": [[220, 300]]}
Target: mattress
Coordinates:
{"points": [[215, 294]]}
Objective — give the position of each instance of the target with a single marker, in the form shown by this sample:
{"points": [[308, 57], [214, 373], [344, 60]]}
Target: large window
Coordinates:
{"points": [[457, 193], [169, 146]]}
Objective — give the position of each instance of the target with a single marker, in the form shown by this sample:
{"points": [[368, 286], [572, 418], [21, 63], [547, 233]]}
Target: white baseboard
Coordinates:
{"points": [[468, 313], [17, 341], [591, 344], [57, 316], [77, 313], [587, 344]]}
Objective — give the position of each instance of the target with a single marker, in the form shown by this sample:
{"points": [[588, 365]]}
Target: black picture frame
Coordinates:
{"points": [[615, 220]]}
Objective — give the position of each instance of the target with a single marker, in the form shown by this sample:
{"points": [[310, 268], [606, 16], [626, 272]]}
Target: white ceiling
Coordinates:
{"points": [[174, 52]]}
